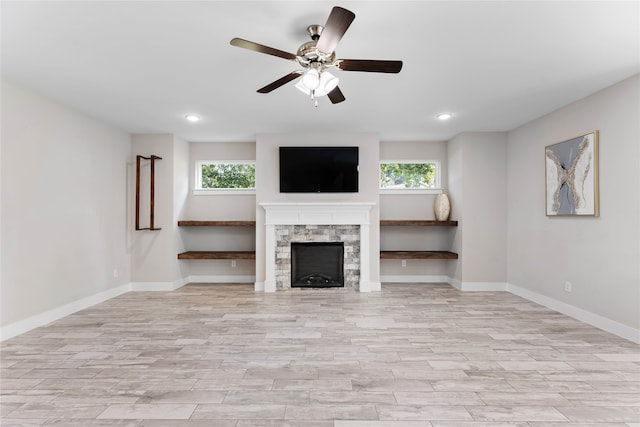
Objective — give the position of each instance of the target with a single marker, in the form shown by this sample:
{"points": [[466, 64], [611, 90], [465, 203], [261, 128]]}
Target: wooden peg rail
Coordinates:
{"points": [[152, 160]]}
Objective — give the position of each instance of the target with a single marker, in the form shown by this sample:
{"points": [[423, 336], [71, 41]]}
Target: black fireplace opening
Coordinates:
{"points": [[317, 264]]}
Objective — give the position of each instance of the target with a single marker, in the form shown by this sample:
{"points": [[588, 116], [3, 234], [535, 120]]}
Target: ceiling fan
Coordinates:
{"points": [[317, 56]]}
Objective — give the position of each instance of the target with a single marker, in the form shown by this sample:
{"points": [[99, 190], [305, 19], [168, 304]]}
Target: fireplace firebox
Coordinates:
{"points": [[317, 264]]}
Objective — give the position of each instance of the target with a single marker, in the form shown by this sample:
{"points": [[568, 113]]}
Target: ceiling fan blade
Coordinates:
{"points": [[280, 82], [246, 44], [369, 65], [337, 24], [336, 96]]}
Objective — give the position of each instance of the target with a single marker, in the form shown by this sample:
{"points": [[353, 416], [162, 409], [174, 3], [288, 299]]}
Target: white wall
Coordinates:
{"points": [[455, 154], [218, 207], [154, 253], [477, 176], [414, 206], [403, 206], [600, 256], [67, 206], [267, 175], [180, 196], [64, 203]]}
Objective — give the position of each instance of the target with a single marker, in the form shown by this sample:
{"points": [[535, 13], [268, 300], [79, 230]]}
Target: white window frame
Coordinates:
{"points": [[199, 191], [437, 185]]}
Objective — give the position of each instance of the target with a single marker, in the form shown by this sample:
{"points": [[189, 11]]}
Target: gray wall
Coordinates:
{"points": [[414, 206], [64, 204], [67, 187], [267, 174], [219, 207], [600, 256], [477, 181], [154, 253]]}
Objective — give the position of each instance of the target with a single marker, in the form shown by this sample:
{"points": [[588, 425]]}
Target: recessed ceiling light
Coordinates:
{"points": [[192, 118], [444, 116]]}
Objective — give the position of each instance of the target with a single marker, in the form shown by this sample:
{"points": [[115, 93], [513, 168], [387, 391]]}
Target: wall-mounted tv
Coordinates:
{"points": [[318, 169]]}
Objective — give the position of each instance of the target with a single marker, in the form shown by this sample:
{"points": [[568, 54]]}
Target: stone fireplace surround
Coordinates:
{"points": [[348, 235], [316, 214]]}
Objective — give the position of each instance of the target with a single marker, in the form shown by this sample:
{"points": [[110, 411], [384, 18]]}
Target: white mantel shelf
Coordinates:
{"points": [[317, 213], [338, 213]]}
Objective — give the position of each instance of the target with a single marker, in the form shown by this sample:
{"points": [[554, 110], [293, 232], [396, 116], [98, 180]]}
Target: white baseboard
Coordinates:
{"points": [[582, 315], [221, 279], [616, 328], [413, 279], [22, 326], [477, 286], [158, 286]]}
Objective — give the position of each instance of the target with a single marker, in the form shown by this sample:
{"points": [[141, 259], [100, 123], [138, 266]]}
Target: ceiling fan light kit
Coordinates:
{"points": [[318, 55], [325, 84]]}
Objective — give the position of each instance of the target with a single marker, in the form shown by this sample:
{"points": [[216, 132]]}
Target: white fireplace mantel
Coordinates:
{"points": [[317, 214]]}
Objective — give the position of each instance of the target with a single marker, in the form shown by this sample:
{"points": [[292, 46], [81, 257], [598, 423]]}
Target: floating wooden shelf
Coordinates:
{"points": [[217, 255], [216, 223], [416, 223], [383, 254], [418, 255]]}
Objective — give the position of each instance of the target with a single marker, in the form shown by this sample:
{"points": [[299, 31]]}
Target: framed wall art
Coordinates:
{"points": [[571, 176]]}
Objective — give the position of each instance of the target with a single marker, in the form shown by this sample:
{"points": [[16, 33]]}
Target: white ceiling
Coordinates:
{"points": [[143, 65]]}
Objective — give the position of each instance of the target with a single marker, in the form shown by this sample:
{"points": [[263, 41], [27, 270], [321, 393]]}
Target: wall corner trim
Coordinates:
{"points": [[375, 286]]}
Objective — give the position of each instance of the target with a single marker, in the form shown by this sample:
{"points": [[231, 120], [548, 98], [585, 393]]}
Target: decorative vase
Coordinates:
{"points": [[442, 207]]}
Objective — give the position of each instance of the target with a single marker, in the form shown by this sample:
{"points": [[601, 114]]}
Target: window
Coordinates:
{"points": [[412, 176], [228, 177]]}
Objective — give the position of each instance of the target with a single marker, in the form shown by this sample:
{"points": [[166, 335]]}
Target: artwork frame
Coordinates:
{"points": [[571, 177]]}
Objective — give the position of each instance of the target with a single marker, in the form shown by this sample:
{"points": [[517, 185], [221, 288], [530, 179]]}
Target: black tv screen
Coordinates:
{"points": [[318, 169]]}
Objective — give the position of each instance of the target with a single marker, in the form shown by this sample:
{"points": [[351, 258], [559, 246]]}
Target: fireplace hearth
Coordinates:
{"points": [[317, 264]]}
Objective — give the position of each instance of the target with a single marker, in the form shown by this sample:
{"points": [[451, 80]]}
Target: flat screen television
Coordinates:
{"points": [[318, 169]]}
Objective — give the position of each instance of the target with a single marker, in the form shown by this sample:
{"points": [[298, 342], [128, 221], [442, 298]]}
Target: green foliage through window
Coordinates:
{"points": [[407, 175], [228, 175]]}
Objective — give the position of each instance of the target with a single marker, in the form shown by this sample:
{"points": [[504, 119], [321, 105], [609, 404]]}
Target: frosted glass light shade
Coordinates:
{"points": [[326, 84], [311, 79]]}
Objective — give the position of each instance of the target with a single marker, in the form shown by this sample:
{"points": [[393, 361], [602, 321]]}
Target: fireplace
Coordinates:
{"points": [[346, 235], [345, 223], [317, 264]]}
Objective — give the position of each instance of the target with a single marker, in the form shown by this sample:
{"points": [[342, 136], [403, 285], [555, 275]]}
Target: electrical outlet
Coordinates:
{"points": [[116, 273], [404, 262], [233, 263], [568, 286]]}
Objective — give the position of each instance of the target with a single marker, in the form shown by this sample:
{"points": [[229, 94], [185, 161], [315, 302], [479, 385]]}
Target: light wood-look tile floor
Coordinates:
{"points": [[411, 355]]}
